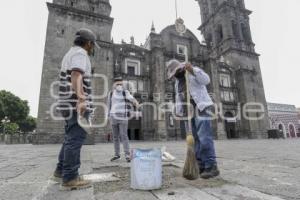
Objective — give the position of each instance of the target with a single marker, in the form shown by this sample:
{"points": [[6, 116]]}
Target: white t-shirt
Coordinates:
{"points": [[118, 101], [76, 59]]}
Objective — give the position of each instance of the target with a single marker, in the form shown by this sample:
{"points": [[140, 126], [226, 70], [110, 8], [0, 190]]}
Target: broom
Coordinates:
{"points": [[191, 168]]}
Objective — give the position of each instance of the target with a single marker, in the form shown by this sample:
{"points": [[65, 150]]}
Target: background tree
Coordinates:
{"points": [[13, 107], [16, 110], [11, 128], [28, 125], [1, 110]]}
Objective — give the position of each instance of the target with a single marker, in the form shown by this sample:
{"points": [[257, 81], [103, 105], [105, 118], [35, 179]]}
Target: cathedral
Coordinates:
{"points": [[227, 54]]}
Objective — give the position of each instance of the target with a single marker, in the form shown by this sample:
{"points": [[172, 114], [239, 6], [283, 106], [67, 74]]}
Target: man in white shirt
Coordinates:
{"points": [[119, 103], [74, 101]]}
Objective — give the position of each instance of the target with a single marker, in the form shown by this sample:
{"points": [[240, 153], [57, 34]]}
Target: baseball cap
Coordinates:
{"points": [[172, 67], [87, 34], [117, 79]]}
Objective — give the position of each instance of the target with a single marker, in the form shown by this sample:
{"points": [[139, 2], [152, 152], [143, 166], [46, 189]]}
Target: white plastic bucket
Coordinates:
{"points": [[146, 169]]}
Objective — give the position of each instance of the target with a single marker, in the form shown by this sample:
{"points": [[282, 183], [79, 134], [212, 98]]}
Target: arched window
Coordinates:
{"points": [[208, 39], [71, 3], [205, 9], [214, 5], [219, 34], [292, 130], [240, 4], [235, 30], [225, 80], [231, 2], [246, 33]]}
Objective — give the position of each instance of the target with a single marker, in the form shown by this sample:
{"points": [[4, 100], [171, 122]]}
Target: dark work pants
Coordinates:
{"points": [[204, 143], [69, 156]]}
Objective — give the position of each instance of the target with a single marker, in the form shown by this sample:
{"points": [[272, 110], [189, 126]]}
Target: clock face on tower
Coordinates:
{"points": [[180, 27]]}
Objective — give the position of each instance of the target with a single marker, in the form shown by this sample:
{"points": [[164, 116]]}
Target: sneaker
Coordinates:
{"points": [[210, 172], [115, 158], [128, 159], [76, 184], [57, 177]]}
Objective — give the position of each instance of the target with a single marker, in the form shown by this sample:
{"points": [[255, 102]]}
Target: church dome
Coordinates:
{"points": [[172, 39]]}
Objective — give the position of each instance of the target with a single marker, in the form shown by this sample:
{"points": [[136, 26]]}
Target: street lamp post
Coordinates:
{"points": [[4, 122]]}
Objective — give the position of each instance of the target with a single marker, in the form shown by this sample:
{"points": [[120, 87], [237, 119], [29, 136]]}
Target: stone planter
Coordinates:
{"points": [[24, 138], [15, 139], [8, 139], [2, 137], [12, 139]]}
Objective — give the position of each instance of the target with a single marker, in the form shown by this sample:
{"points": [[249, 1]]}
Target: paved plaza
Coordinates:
{"points": [[250, 169]]}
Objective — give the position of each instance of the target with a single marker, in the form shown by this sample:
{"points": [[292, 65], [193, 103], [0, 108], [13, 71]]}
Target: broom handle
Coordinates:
{"points": [[188, 97]]}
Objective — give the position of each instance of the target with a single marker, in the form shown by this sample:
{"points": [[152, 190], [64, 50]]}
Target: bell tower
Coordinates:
{"points": [[226, 30], [225, 24], [65, 18]]}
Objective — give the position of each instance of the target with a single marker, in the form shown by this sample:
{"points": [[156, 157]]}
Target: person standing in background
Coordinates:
{"points": [[118, 112]]}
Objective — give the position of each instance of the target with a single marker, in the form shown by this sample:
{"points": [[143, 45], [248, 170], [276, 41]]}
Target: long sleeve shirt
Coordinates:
{"points": [[198, 91]]}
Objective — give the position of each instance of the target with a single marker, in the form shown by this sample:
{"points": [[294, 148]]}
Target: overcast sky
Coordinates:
{"points": [[274, 24]]}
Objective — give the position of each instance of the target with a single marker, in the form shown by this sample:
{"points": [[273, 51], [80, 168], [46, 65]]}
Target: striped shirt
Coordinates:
{"points": [[76, 59]]}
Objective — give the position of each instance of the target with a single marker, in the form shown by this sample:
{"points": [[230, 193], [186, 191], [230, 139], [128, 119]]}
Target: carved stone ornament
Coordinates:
{"points": [[180, 27]]}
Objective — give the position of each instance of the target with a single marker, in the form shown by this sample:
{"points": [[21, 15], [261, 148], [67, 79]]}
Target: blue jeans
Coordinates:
{"points": [[204, 144], [69, 156]]}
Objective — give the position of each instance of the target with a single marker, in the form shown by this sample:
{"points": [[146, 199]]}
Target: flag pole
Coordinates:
{"points": [[176, 9]]}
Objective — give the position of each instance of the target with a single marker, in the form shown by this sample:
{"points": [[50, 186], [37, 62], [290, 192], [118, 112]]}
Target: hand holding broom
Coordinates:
{"points": [[191, 168]]}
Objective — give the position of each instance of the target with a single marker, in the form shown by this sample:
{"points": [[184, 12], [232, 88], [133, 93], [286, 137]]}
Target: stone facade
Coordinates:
{"points": [[298, 111], [227, 55], [285, 118]]}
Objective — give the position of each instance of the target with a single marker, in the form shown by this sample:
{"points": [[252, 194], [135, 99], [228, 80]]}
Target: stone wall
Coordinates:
{"points": [[63, 22]]}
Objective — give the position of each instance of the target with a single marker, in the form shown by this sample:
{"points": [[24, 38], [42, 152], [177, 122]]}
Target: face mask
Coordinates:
{"points": [[119, 88], [180, 74]]}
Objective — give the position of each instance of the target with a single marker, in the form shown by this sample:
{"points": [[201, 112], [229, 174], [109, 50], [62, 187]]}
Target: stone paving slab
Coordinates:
{"points": [[188, 193], [53, 193], [234, 192], [126, 195], [21, 191]]}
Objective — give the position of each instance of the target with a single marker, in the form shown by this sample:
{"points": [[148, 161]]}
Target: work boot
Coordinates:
{"points": [[76, 184], [115, 158], [210, 172], [57, 177]]}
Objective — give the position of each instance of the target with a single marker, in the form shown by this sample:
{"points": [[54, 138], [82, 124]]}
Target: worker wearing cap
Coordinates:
{"points": [[75, 102], [201, 121]]}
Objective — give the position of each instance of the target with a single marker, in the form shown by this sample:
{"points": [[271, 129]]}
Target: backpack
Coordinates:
{"points": [[127, 103]]}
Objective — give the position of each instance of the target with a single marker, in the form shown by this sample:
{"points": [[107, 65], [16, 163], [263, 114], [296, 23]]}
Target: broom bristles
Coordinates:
{"points": [[190, 169]]}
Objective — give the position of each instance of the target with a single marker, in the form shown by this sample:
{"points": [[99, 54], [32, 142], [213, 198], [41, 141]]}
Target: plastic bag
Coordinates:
{"points": [[166, 156], [146, 169]]}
